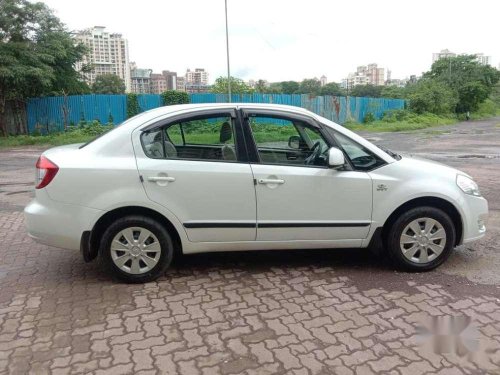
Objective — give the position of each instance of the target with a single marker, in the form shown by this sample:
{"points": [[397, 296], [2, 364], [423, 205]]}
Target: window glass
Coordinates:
{"points": [[210, 138], [285, 141], [174, 134], [361, 158], [152, 143]]}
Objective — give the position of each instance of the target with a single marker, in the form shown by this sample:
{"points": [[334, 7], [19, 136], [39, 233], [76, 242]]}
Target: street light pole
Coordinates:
{"points": [[227, 51]]}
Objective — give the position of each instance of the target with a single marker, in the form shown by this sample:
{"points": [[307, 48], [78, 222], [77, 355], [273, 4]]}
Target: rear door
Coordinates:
{"points": [[298, 196], [196, 167]]}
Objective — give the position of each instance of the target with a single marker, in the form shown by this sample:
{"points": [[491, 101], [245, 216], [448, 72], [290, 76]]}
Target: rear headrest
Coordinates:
{"points": [[226, 132]]}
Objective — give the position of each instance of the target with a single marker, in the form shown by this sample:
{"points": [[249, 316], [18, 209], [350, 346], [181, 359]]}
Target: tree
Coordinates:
{"points": [[238, 86], [108, 84], [333, 89], [429, 95], [393, 92], [289, 87], [261, 86], [37, 55], [471, 81], [275, 88], [310, 86], [368, 91], [171, 97]]}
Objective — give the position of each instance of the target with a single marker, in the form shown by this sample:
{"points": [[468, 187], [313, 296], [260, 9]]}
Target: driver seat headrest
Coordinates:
{"points": [[226, 133]]}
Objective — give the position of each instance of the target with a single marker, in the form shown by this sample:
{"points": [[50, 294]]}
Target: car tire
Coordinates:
{"points": [[424, 250], [145, 243]]}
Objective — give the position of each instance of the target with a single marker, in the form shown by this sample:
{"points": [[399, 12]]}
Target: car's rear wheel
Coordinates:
{"points": [[136, 249], [421, 239]]}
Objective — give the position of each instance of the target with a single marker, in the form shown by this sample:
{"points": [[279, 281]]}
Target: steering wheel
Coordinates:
{"points": [[315, 153]]}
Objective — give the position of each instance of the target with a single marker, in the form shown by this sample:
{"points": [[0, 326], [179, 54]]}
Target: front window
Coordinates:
{"points": [[284, 141], [361, 158]]}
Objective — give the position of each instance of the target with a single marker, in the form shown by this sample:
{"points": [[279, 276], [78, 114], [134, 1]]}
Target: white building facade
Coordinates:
{"points": [[107, 54]]}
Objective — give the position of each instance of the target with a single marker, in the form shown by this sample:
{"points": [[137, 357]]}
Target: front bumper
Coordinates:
{"points": [[58, 224], [475, 218]]}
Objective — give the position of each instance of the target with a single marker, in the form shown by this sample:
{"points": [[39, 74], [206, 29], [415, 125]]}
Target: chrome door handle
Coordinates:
{"points": [[161, 179], [271, 181]]}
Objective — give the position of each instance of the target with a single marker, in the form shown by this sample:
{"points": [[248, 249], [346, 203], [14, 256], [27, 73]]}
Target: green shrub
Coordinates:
{"points": [[94, 128], [431, 96], [369, 117], [172, 97], [133, 107], [486, 109]]}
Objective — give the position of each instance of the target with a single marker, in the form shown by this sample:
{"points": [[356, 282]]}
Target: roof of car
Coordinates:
{"points": [[182, 107]]}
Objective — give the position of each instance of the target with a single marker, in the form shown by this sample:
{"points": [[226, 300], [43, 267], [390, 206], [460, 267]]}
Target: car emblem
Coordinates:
{"points": [[381, 187]]}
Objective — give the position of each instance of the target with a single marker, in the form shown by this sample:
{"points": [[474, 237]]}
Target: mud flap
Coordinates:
{"points": [[86, 249]]}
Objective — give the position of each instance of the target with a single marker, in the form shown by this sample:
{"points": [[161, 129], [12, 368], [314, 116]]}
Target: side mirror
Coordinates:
{"points": [[335, 158], [294, 142]]}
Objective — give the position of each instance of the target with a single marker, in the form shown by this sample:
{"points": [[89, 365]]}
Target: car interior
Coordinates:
{"points": [[171, 143], [212, 139], [306, 147]]}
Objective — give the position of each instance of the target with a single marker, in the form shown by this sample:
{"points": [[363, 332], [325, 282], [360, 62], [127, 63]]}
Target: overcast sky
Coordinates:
{"points": [[290, 40]]}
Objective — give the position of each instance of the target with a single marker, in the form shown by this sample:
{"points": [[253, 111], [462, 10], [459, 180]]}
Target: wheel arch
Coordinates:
{"points": [[448, 207], [105, 220]]}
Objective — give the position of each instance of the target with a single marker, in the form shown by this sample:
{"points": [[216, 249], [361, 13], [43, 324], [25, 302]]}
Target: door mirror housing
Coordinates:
{"points": [[335, 158], [294, 142]]}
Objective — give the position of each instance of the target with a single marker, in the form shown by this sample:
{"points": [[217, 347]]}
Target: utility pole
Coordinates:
{"points": [[227, 51]]}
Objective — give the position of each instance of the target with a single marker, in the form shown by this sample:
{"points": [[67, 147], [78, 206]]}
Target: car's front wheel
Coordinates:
{"points": [[421, 239], [136, 249]]}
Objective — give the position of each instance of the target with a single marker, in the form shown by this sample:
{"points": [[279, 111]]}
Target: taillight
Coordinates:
{"points": [[45, 172]]}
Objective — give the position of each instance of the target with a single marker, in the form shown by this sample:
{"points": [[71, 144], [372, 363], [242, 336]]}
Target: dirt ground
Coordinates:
{"points": [[287, 312]]}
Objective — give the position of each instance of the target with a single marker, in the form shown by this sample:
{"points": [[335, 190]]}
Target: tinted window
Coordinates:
{"points": [[210, 138], [286, 141], [361, 158]]}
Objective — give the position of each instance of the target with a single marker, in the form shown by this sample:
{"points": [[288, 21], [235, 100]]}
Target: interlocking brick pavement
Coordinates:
{"points": [[291, 312], [209, 316]]}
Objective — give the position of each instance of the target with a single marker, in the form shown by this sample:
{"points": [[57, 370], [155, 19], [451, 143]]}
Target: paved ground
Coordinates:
{"points": [[300, 312]]}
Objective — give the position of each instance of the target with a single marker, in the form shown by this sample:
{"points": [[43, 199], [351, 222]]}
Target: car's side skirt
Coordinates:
{"points": [[284, 224]]}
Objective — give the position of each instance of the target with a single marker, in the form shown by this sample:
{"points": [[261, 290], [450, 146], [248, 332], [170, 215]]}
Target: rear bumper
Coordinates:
{"points": [[58, 224], [475, 218]]}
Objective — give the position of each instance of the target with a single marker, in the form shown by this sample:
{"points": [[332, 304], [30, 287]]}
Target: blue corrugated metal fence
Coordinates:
{"points": [[49, 112]]}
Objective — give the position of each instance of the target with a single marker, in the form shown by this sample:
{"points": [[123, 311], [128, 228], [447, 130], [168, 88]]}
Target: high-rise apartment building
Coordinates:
{"points": [[171, 78], [140, 79], [107, 54], [158, 83], [197, 80], [369, 74], [482, 59], [445, 53], [167, 80], [198, 76], [181, 84]]}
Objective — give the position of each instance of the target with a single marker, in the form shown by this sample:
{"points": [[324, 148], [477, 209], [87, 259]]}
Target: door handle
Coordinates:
{"points": [[271, 181], [161, 179]]}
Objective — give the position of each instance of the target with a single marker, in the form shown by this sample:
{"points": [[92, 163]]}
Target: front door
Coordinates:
{"points": [[192, 166], [298, 196]]}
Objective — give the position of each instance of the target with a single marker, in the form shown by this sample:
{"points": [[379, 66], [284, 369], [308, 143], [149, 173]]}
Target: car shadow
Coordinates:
{"points": [[261, 260]]}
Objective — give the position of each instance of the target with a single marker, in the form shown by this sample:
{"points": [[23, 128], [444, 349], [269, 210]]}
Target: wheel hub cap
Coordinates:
{"points": [[135, 250], [423, 240]]}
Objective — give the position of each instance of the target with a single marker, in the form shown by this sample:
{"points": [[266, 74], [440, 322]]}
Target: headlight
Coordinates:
{"points": [[467, 185]]}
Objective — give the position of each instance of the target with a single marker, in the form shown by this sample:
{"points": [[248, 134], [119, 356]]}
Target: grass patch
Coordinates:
{"points": [[80, 134], [44, 140], [398, 121]]}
